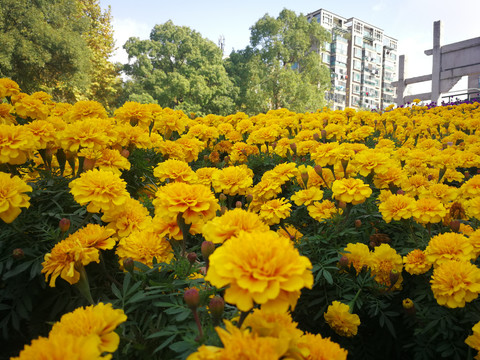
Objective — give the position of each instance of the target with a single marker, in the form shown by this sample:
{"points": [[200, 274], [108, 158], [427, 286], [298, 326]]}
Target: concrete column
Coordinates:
{"points": [[401, 81], [436, 60]]}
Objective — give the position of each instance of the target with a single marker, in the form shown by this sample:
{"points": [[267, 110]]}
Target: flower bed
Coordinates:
{"points": [[281, 235]]}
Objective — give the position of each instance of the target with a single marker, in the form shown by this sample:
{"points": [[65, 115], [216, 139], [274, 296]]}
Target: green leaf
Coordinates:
{"points": [[165, 343]]}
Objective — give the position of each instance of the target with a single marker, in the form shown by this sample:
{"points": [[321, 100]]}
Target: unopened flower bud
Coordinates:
{"points": [[324, 135], [125, 153], [238, 204], [222, 197], [64, 225], [226, 159], [207, 249], [192, 257], [394, 276], [192, 298], [400, 192], [343, 262], [88, 164], [316, 137], [342, 205], [223, 210], [18, 254], [304, 176], [216, 307], [318, 170], [455, 225], [293, 146], [249, 198], [128, 264], [430, 177], [409, 306], [467, 175], [205, 158], [358, 223]]}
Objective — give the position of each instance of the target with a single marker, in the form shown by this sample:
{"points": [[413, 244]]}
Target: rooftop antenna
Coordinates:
{"points": [[221, 43]]}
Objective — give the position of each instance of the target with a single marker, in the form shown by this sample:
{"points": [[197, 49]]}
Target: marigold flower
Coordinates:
{"points": [[143, 246], [82, 110], [204, 175], [134, 113], [384, 260], [340, 319], [8, 87], [175, 170], [415, 262], [455, 282], [273, 211], [94, 235], [6, 116], [449, 246], [112, 160], [66, 259], [164, 226], [12, 196], [260, 267], [15, 144], [351, 190], [474, 340], [195, 202], [319, 348], [91, 133], [222, 228], [30, 107], [233, 180], [100, 320], [428, 210], [191, 147], [307, 197], [101, 190], [396, 207], [62, 346], [324, 210], [358, 255], [129, 217]]}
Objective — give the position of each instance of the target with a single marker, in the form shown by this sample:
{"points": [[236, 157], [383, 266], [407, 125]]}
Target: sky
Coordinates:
{"points": [[408, 21]]}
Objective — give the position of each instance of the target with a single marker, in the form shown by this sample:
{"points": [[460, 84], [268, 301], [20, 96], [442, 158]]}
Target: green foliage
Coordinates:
{"points": [[179, 69]]}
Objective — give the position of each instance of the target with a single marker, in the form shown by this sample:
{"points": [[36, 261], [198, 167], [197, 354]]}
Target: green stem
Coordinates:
{"points": [[351, 304], [243, 316], [83, 286]]}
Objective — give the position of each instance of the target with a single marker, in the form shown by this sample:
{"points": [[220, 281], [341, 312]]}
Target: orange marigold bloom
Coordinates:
{"points": [[339, 318], [12, 196], [319, 348], [94, 235], [428, 210], [233, 180], [351, 190], [396, 207], [129, 217], [260, 267], [455, 282], [415, 262], [175, 170], [30, 107], [194, 202], [384, 260], [100, 320], [449, 246], [323, 210], [274, 210], [101, 190], [143, 246], [222, 228]]}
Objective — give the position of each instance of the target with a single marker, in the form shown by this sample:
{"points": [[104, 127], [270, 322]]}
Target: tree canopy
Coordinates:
{"points": [[281, 67], [179, 69]]}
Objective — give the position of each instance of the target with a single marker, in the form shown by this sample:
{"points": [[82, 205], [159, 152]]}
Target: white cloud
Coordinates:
{"points": [[125, 29]]}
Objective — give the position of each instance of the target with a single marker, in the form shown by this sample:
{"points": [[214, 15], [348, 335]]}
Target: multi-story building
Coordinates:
{"points": [[362, 61]]}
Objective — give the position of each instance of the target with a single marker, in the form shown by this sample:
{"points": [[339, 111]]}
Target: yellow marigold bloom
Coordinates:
{"points": [[101, 190], [384, 260], [307, 197], [205, 352], [415, 262], [233, 180], [242, 345], [272, 211], [319, 348], [371, 161], [279, 326], [30, 107], [175, 170], [91, 133], [260, 267], [194, 202], [134, 113], [204, 175], [472, 207], [351, 190], [291, 233], [465, 229], [449, 246], [396, 207], [222, 228], [8, 87], [323, 210], [474, 340], [66, 259], [164, 226], [128, 136], [394, 175], [143, 246], [169, 120], [6, 116], [191, 148], [82, 110], [100, 320], [428, 210], [285, 171], [266, 189], [471, 188], [94, 235], [12, 196], [15, 144], [442, 192], [129, 217], [339, 318], [413, 185], [62, 346], [43, 133], [474, 239], [324, 154], [358, 255], [455, 282]]}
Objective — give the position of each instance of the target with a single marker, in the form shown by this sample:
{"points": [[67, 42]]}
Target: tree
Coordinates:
{"points": [[179, 69], [281, 67], [42, 48], [105, 84]]}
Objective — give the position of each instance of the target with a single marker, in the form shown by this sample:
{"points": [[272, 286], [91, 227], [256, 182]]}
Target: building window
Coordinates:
{"points": [[358, 41], [357, 65], [357, 52], [358, 27], [357, 77]]}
